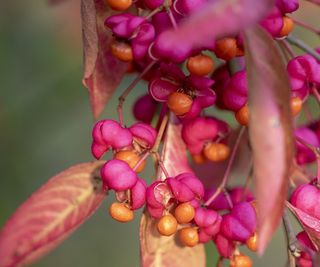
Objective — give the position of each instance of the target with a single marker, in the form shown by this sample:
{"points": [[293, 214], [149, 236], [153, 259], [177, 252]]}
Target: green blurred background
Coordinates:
{"points": [[45, 125]]}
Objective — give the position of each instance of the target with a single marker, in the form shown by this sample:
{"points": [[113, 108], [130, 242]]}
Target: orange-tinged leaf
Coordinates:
{"points": [[270, 128], [163, 251], [51, 214], [102, 72], [174, 153]]}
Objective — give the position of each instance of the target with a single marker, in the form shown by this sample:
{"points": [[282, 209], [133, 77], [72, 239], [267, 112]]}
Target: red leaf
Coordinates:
{"points": [[174, 153], [51, 214], [310, 224], [270, 128], [102, 72], [216, 19], [162, 251]]}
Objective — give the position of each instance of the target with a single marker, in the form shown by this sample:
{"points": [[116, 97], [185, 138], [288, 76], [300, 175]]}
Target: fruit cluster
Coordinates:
{"points": [[181, 204]]}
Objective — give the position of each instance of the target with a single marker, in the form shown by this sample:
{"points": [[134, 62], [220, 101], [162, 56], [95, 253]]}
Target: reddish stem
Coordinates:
{"points": [[164, 109], [228, 169], [228, 198], [162, 128], [288, 47], [142, 159], [163, 168], [284, 51], [172, 19], [132, 85], [306, 26]]}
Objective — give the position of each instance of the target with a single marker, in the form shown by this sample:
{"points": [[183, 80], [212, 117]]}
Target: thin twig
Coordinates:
{"points": [[306, 26], [172, 19], [288, 48], [228, 169], [132, 85], [161, 165], [284, 51], [160, 133], [141, 160], [303, 46], [290, 235]]}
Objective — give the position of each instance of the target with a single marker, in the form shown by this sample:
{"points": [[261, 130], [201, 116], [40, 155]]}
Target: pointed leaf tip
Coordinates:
{"points": [[270, 128], [102, 72]]}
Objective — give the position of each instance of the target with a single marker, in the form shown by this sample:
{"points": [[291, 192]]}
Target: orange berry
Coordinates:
{"points": [[167, 225], [184, 213], [200, 65], [119, 5], [287, 27], [121, 51], [240, 52], [199, 158], [189, 236], [240, 261], [131, 158], [296, 105], [179, 103], [242, 115], [226, 48], [120, 212], [216, 152], [252, 242]]}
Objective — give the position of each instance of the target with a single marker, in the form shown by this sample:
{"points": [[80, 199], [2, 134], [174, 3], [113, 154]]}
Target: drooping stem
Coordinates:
{"points": [[306, 26], [161, 165], [142, 159], [164, 109], [284, 51], [248, 180], [172, 19], [163, 168], [228, 198], [303, 46], [288, 47], [290, 235], [228, 169], [162, 128], [132, 85]]}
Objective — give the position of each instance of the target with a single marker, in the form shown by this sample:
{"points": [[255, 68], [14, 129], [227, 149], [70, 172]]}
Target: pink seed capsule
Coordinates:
{"points": [[117, 175]]}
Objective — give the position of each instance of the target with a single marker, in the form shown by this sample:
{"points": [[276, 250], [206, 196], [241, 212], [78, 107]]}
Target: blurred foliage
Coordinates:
{"points": [[45, 123]]}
